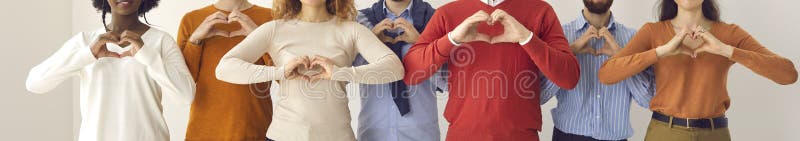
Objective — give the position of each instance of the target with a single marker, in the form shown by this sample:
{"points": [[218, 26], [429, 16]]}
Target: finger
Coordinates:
{"points": [[478, 16], [222, 33], [237, 33], [218, 15], [687, 52], [707, 36], [216, 21]]}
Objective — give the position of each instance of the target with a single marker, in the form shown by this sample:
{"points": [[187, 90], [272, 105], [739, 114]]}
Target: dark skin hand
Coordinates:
{"points": [[125, 30]]}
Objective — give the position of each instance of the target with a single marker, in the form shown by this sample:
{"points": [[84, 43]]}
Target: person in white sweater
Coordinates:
{"points": [[313, 46], [124, 69]]}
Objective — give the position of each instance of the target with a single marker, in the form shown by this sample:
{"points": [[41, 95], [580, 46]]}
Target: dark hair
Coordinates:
{"points": [[669, 9], [103, 7]]}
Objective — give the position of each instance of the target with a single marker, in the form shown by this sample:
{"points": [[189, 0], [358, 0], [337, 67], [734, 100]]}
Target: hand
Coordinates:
{"points": [[467, 31], [610, 47], [292, 69], [206, 29], [247, 24], [381, 27], [99, 49], [581, 45], [327, 68], [410, 34], [514, 32], [673, 46], [712, 45], [133, 39]]}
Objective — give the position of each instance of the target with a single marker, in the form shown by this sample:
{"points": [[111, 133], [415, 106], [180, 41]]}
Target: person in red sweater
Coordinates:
{"points": [[495, 51]]}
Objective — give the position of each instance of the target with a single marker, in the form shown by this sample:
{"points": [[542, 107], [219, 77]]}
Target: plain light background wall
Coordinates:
{"points": [[761, 109], [32, 31]]}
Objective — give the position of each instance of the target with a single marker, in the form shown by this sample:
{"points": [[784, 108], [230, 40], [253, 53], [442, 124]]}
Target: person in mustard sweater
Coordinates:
{"points": [[221, 110], [692, 50]]}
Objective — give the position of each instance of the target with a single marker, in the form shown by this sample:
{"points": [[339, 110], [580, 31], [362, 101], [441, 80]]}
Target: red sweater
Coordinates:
{"points": [[494, 87]]}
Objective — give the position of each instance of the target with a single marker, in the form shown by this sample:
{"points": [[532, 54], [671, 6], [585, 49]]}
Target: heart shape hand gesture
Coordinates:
{"points": [[128, 43], [206, 29], [467, 31], [409, 33], [694, 41], [309, 68], [710, 44], [610, 47], [673, 46]]}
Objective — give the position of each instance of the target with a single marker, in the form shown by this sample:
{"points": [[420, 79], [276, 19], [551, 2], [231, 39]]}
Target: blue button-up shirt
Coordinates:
{"points": [[380, 119], [592, 108]]}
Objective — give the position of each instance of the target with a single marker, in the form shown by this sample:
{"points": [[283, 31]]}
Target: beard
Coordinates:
{"points": [[598, 7]]}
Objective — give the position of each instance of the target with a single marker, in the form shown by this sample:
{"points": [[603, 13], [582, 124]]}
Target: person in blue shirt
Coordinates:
{"points": [[594, 111], [394, 111]]}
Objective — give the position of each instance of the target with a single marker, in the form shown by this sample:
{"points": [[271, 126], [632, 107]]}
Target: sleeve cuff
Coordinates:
{"points": [[340, 74], [279, 72], [192, 45], [737, 54], [526, 40], [650, 56], [450, 38], [86, 55]]}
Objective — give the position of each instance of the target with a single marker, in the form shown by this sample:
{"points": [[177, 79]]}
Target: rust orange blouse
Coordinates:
{"points": [[694, 87], [221, 110]]}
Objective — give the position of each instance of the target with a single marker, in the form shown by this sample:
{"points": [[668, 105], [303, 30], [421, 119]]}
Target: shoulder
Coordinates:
{"points": [[651, 26], [200, 13], [538, 3], [259, 15], [155, 34], [87, 37], [624, 28], [572, 25], [729, 31], [261, 9], [728, 27], [454, 5]]}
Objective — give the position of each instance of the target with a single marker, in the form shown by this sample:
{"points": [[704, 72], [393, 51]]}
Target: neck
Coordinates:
{"points": [[397, 7], [314, 13], [687, 17], [230, 5], [121, 23], [597, 20]]}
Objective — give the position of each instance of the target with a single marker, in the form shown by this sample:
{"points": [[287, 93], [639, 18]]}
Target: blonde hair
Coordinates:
{"points": [[343, 10]]}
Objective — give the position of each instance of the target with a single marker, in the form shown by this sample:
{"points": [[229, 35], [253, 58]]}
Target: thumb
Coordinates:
{"points": [[698, 51]]}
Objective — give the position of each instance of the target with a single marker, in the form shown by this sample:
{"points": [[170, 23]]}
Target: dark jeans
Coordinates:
{"points": [[559, 135], [270, 139]]}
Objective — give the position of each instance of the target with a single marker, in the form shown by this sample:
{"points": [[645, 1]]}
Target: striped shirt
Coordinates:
{"points": [[593, 109]]}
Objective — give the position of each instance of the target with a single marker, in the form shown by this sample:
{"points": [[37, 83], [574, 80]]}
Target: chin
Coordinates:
{"points": [[313, 2], [689, 4]]}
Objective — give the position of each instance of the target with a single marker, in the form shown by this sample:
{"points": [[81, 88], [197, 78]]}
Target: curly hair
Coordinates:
{"points": [[344, 10], [103, 7]]}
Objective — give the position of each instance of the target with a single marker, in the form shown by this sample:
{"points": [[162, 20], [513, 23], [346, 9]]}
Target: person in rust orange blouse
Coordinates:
{"points": [[221, 110], [692, 51]]}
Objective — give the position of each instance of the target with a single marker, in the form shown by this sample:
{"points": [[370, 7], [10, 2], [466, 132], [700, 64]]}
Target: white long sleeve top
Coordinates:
{"points": [[311, 111], [120, 98]]}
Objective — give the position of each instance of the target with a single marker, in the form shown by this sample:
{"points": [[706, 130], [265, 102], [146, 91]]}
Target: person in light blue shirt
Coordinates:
{"points": [[394, 111], [594, 111]]}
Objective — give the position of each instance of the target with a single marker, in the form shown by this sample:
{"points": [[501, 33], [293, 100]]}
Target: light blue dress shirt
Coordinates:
{"points": [[380, 119], [592, 108]]}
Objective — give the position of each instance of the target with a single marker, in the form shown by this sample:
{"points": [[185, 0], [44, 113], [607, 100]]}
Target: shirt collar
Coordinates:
{"points": [[492, 3], [388, 12], [582, 23]]}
